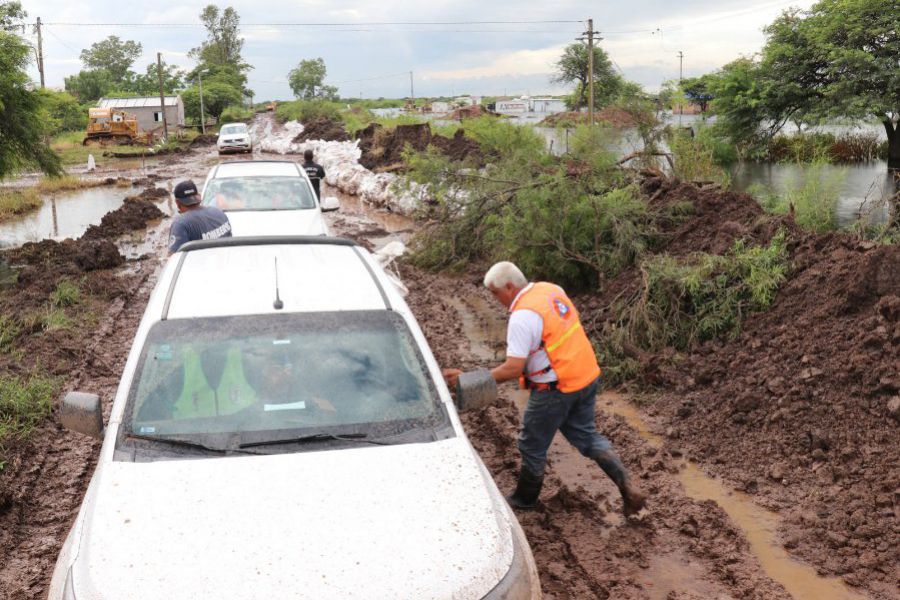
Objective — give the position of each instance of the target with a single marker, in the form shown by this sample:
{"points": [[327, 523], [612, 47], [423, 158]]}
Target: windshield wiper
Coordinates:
{"points": [[316, 437], [184, 443]]}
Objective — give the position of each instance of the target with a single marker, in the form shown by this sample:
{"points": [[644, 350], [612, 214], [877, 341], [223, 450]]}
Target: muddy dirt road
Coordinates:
{"points": [[697, 540]]}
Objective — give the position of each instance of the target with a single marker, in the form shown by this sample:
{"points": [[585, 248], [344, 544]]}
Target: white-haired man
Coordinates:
{"points": [[549, 352]]}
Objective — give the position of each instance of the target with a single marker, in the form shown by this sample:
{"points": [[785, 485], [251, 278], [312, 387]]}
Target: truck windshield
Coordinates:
{"points": [[233, 130], [243, 380], [259, 193]]}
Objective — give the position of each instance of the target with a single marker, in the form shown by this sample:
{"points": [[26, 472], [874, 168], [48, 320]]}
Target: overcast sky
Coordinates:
{"points": [[643, 38]]}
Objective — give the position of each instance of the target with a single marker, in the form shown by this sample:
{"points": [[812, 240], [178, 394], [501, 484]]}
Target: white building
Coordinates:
{"points": [[148, 111], [440, 108], [548, 105], [514, 106]]}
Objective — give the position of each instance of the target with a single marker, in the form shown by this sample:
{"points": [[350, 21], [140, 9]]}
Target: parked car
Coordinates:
{"points": [[266, 197], [282, 430], [234, 137]]}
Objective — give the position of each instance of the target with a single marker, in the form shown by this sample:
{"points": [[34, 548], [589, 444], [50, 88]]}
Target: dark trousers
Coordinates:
{"points": [[549, 411]]}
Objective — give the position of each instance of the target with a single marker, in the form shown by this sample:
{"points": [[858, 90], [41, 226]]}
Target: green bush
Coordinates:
{"points": [[64, 113], [695, 160], [812, 200], [684, 300], [305, 111], [236, 114], [500, 138]]}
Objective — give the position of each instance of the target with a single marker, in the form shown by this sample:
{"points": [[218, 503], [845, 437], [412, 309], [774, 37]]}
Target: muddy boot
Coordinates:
{"points": [[527, 490], [632, 498]]}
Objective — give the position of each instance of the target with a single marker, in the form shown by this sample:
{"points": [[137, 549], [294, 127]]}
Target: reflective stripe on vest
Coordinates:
{"points": [[563, 338]]}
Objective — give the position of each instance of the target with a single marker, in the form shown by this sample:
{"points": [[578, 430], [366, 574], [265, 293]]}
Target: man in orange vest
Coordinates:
{"points": [[549, 352]]}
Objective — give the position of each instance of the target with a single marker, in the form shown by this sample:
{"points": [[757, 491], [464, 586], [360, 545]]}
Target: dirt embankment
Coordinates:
{"points": [[382, 148], [801, 409], [322, 128]]}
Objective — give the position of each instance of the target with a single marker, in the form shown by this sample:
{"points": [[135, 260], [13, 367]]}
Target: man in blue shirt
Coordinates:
{"points": [[195, 222]]}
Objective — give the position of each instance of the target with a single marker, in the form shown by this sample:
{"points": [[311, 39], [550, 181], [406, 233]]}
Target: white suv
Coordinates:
{"points": [[267, 197], [234, 137], [282, 430]]}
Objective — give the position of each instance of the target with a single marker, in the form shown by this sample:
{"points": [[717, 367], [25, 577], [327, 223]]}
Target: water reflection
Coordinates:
{"points": [[66, 215]]}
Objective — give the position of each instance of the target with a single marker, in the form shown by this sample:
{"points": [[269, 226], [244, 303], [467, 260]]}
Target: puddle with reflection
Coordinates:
{"points": [[758, 524], [66, 215]]}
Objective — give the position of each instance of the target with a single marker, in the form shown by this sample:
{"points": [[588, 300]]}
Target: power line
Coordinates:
{"points": [[326, 24]]}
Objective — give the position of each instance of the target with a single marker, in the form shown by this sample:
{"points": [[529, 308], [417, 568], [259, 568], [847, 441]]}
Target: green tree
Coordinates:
{"points": [[147, 84], [217, 96], [223, 44], [64, 113], [112, 55], [22, 126], [838, 59], [307, 81], [12, 16], [572, 67], [88, 86], [697, 90]]}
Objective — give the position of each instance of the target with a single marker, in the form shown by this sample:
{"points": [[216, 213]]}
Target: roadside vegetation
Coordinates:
{"points": [[24, 403]]}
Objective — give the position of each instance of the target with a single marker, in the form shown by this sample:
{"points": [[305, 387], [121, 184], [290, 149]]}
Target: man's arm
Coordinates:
{"points": [[177, 236], [511, 368]]}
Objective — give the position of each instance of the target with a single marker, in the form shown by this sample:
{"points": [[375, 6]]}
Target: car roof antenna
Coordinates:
{"points": [[278, 304]]}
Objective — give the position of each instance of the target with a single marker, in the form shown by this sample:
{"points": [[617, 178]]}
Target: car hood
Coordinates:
{"points": [[277, 222], [405, 521]]}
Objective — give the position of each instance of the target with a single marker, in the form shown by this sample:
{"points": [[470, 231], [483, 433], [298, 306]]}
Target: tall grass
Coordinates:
{"points": [[812, 199], [695, 160], [15, 202], [24, 403]]}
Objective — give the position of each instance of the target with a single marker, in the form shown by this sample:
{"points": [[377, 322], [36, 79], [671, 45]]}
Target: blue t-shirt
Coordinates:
{"points": [[203, 223]]}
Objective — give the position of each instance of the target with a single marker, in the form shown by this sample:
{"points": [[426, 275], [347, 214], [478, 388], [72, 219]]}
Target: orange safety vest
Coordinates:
{"points": [[563, 339]]}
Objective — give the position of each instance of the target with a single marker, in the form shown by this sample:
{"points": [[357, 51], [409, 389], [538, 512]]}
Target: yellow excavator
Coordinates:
{"points": [[112, 126]]}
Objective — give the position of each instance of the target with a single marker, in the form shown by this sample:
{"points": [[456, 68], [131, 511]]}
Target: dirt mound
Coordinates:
{"points": [[153, 193], [323, 128], [204, 139], [468, 112], [615, 116], [133, 214], [802, 408], [383, 148]]}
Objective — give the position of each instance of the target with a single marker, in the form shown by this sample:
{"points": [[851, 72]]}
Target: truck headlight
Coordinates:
{"points": [[521, 581]]}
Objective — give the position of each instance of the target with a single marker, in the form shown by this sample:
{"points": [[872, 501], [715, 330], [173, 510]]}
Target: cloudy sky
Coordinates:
{"points": [[511, 50]]}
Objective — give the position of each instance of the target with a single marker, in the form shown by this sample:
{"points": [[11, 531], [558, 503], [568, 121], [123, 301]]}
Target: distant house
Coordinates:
{"points": [[440, 108], [147, 110], [514, 106], [548, 105]]}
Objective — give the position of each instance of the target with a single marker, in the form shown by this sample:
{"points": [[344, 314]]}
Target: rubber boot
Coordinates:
{"points": [[527, 490], [633, 500]]}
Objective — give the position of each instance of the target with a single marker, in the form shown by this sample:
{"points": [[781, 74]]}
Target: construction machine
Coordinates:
{"points": [[112, 126]]}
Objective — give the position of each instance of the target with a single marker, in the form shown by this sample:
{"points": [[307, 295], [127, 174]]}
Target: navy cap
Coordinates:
{"points": [[186, 192]]}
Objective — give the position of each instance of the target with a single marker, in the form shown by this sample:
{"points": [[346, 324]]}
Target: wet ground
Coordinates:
{"points": [[698, 539]]}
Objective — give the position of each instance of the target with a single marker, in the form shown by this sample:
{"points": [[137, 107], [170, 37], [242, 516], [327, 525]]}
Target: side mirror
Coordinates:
{"points": [[475, 390], [82, 413], [330, 203]]}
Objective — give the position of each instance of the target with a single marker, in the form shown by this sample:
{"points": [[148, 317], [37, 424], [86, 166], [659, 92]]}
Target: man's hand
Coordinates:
{"points": [[451, 376]]}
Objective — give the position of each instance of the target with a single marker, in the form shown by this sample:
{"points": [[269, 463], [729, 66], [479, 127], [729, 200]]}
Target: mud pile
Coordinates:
{"points": [[204, 139], [134, 213], [324, 129], [382, 148], [802, 408]]}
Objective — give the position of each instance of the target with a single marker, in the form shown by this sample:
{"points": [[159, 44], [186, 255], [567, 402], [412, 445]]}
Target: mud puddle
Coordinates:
{"points": [[759, 525], [67, 215]]}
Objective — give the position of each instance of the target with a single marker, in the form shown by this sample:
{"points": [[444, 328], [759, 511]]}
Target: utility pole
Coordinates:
{"points": [[162, 95], [40, 49], [590, 34], [680, 77], [202, 114], [412, 94]]}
